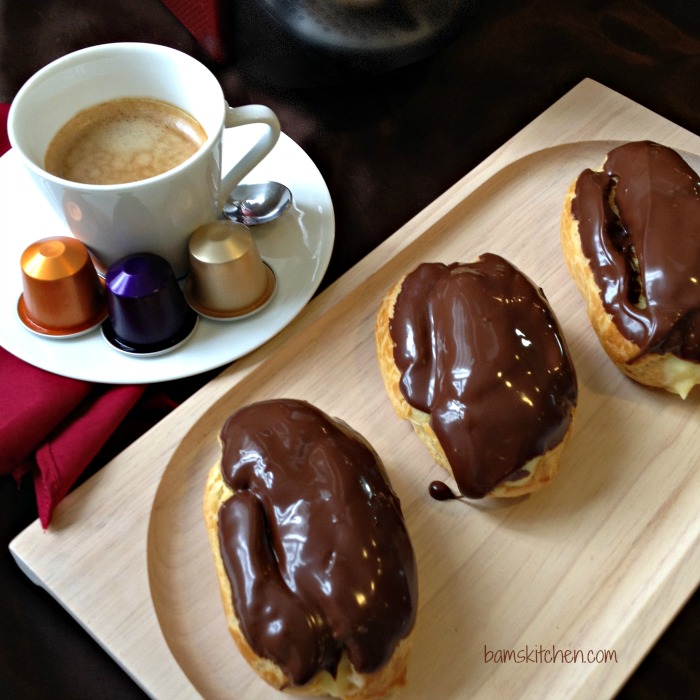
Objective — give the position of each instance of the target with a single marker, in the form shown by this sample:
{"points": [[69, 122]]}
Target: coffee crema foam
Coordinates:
{"points": [[123, 140]]}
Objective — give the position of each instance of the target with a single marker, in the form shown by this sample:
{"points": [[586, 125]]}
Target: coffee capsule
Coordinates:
{"points": [[62, 294], [148, 313], [228, 278]]}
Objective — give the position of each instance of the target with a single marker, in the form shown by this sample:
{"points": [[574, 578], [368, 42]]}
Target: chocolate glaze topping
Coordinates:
{"points": [[480, 350], [313, 541], [639, 225]]}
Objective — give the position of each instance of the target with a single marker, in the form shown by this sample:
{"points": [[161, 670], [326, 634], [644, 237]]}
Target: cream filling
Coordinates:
{"points": [[680, 376], [346, 683], [529, 467]]}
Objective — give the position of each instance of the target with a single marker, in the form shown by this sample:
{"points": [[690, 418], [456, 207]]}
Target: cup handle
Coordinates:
{"points": [[249, 114]]}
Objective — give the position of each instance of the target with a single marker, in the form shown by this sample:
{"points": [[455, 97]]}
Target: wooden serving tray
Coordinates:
{"points": [[600, 561]]}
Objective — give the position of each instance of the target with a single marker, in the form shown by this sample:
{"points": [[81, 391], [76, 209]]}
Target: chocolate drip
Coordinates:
{"points": [[639, 225], [313, 541], [440, 491], [480, 350]]}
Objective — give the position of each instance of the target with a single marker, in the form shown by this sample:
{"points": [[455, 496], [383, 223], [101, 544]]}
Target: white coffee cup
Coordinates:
{"points": [[158, 214]]}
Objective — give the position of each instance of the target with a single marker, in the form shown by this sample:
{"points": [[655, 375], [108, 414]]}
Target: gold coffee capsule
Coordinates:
{"points": [[228, 278]]}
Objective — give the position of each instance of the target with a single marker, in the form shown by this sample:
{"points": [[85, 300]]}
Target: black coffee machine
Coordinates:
{"points": [[300, 43]]}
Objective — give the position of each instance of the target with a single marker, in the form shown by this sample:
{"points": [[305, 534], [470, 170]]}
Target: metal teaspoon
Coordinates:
{"points": [[258, 203]]}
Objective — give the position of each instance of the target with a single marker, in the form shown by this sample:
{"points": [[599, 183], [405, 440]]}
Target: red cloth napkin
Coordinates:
{"points": [[4, 140], [53, 426], [202, 19]]}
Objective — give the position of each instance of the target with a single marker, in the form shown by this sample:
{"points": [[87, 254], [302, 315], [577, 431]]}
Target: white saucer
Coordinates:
{"points": [[298, 245]]}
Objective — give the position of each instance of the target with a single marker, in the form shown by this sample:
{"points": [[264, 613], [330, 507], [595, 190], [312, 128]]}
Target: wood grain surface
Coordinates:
{"points": [[601, 560]]}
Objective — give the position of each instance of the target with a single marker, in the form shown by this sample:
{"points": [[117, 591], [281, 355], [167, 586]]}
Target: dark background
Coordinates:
{"points": [[387, 143]]}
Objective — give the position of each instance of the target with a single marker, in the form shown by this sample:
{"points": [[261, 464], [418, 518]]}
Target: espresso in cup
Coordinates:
{"points": [[123, 140]]}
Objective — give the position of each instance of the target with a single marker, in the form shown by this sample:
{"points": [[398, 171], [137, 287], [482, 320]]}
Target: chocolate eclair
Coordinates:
{"points": [[631, 240], [473, 356], [315, 564]]}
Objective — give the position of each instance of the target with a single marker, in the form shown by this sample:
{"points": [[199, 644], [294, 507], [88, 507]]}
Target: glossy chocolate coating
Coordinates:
{"points": [[653, 223], [480, 350], [313, 541]]}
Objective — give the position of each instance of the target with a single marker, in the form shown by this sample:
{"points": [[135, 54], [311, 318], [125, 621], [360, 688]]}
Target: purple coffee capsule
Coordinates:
{"points": [[148, 313]]}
